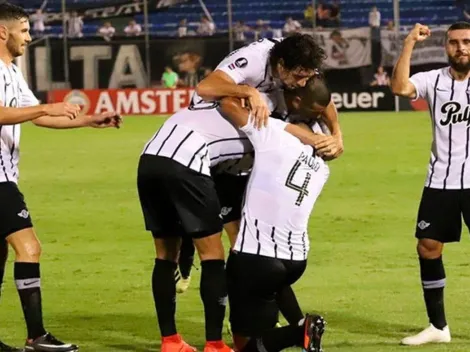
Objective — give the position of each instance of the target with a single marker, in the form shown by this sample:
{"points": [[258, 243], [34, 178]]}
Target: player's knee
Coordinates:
{"points": [[30, 252], [429, 249], [210, 247]]}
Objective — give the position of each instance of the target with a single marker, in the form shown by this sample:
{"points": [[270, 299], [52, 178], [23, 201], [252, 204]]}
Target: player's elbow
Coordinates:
{"points": [[228, 104], [206, 89], [402, 90]]}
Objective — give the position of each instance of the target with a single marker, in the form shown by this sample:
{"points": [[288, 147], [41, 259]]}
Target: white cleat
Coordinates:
{"points": [[183, 284], [428, 335]]}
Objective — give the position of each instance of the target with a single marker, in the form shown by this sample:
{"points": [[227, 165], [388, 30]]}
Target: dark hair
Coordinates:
{"points": [[10, 12], [459, 25], [297, 50], [315, 92]]}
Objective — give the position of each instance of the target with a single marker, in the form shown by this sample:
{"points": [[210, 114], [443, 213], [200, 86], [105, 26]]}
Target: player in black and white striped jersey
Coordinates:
{"points": [[446, 194], [17, 105], [271, 248]]}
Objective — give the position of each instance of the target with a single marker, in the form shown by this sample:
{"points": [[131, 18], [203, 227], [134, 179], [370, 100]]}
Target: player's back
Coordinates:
{"points": [[285, 182], [199, 139]]}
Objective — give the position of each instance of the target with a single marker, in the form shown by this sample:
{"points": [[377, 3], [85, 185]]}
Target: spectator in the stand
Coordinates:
{"points": [[374, 17], [183, 28], [380, 78], [339, 48], [107, 31], [133, 29], [309, 12], [390, 26], [291, 26], [189, 68], [206, 27], [335, 14], [261, 29], [169, 78], [75, 25], [38, 23], [239, 29], [323, 14]]}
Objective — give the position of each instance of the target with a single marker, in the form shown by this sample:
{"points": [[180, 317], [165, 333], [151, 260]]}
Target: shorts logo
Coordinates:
{"points": [[241, 62], [23, 214], [423, 225], [225, 211]]}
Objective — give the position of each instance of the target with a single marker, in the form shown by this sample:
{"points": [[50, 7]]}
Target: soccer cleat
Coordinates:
{"points": [[216, 346], [48, 343], [175, 343], [278, 325], [6, 348], [182, 284], [314, 326], [428, 335]]}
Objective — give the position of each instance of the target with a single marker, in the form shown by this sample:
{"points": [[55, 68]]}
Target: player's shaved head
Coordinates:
{"points": [[10, 12], [315, 92]]}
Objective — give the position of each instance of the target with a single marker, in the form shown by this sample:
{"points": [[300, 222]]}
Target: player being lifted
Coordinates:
{"points": [[446, 194], [18, 105]]}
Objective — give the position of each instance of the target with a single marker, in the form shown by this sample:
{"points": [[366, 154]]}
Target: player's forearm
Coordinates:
{"points": [[401, 71], [219, 85], [12, 116], [62, 122], [331, 119], [232, 108]]}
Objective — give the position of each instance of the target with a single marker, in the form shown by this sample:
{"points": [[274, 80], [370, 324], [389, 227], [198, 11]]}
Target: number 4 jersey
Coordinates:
{"points": [[286, 179], [14, 93]]}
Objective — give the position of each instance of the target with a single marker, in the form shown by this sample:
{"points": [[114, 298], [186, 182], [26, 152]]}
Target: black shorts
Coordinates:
{"points": [[440, 214], [175, 200], [253, 282], [230, 190], [14, 214]]}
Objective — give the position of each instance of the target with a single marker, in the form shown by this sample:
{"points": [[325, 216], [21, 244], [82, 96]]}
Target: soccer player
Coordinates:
{"points": [[264, 66], [446, 194], [270, 253], [18, 105]]}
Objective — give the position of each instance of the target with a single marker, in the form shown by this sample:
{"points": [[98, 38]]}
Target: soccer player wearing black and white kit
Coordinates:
{"points": [[18, 105], [272, 246], [446, 194]]}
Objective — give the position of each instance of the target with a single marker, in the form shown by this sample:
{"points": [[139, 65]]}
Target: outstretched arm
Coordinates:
{"points": [[109, 119]]}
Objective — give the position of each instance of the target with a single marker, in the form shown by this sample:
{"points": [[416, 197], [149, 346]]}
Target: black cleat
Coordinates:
{"points": [[48, 343], [314, 328], [6, 348]]}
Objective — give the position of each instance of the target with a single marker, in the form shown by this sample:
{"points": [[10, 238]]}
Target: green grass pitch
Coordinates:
{"points": [[363, 276]]}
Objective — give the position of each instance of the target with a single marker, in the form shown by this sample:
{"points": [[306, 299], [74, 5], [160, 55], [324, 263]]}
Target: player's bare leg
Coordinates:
{"points": [[232, 228], [28, 282], [164, 293], [213, 289], [433, 281]]}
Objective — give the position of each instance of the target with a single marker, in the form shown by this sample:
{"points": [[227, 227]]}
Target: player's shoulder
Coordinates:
{"points": [[432, 74]]}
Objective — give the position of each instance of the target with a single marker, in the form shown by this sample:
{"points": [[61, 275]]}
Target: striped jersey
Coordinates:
{"points": [[286, 179], [14, 92], [449, 106], [199, 139], [250, 66]]}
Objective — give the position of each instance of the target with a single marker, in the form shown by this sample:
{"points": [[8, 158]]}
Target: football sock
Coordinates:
{"points": [[28, 283], [186, 258], [164, 295], [289, 306], [433, 279], [213, 290]]}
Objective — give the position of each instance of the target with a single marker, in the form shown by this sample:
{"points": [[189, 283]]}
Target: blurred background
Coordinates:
{"points": [[173, 44]]}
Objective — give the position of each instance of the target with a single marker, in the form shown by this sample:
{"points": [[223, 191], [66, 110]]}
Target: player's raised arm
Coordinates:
{"points": [[401, 84]]}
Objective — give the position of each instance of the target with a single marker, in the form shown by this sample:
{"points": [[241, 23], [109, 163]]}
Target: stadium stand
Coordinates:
{"points": [[354, 13]]}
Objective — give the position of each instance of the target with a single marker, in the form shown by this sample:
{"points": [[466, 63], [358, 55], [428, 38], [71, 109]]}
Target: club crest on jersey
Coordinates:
{"points": [[454, 113], [241, 62]]}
